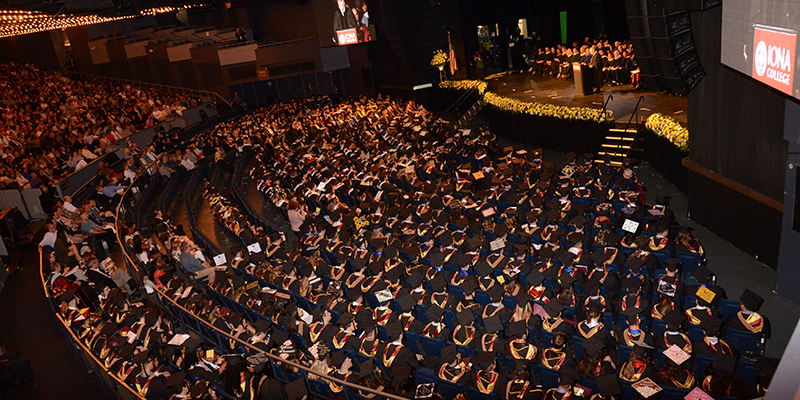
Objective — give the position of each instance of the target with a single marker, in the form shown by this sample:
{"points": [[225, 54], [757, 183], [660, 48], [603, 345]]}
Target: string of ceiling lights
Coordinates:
{"points": [[18, 22]]}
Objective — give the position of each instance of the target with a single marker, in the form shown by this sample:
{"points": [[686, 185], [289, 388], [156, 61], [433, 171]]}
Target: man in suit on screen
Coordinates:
{"points": [[343, 19]]}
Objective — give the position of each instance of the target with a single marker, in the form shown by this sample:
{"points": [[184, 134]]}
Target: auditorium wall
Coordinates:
{"points": [[42, 48], [736, 130]]}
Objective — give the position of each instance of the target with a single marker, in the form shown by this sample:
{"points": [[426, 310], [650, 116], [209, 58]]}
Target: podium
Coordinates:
{"points": [[583, 79]]}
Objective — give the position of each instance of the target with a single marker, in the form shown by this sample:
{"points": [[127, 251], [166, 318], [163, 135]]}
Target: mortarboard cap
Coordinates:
{"points": [[635, 263], [192, 343], [609, 385], [674, 320], [279, 336], [401, 374], [483, 268], [593, 345], [566, 258], [566, 279], [522, 298], [415, 278], [405, 301], [109, 328], [632, 284], [261, 325], [140, 357], [579, 221], [238, 281], [126, 351], [198, 389], [449, 354], [591, 286], [710, 325], [612, 239], [393, 330], [568, 377], [493, 324], [366, 368], [175, 379], [483, 359], [465, 317], [750, 300], [434, 313], [67, 296], [438, 282], [545, 253], [469, 285], [535, 278], [701, 274], [496, 293], [553, 308], [672, 264], [297, 389], [517, 329], [767, 365], [724, 363]]}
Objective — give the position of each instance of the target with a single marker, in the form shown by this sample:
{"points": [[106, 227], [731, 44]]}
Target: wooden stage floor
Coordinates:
{"points": [[534, 88]]}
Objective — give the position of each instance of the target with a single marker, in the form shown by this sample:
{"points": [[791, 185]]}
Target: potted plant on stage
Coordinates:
{"points": [[439, 59]]}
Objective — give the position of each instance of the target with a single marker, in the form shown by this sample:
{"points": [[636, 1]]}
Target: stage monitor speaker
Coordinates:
{"points": [[657, 28], [655, 82], [636, 27]]}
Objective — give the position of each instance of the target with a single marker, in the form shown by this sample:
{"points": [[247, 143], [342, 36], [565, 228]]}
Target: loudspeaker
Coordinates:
{"points": [[633, 8], [636, 27], [676, 85], [668, 68], [657, 28], [648, 66], [390, 27], [640, 47], [662, 47], [655, 8], [654, 82]]}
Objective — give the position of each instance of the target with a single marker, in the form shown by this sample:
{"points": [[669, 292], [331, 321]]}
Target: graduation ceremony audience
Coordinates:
{"points": [[52, 125], [416, 259]]}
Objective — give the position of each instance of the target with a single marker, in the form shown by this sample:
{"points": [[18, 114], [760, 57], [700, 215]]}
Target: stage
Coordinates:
{"points": [[541, 89]]}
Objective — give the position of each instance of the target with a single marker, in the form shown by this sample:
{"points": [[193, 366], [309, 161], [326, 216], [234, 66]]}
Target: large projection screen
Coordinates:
{"points": [[343, 22], [759, 39]]}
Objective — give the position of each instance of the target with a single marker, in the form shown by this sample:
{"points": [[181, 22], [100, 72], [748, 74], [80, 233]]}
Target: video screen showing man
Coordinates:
{"points": [[350, 24]]}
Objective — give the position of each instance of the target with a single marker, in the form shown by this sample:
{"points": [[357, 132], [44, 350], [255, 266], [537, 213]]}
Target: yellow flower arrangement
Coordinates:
{"points": [[439, 58], [666, 126], [538, 109]]}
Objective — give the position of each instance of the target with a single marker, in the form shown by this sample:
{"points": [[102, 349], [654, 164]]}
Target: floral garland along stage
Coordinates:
{"points": [[538, 109], [666, 126], [439, 58]]}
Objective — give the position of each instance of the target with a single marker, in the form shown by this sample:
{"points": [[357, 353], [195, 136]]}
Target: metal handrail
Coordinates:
{"points": [[157, 86], [605, 105]]}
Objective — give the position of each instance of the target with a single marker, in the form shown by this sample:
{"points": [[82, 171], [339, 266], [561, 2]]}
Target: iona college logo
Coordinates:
{"points": [[761, 58]]}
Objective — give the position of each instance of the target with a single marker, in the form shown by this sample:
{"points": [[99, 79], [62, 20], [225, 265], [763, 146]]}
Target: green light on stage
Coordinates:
{"points": [[563, 17]]}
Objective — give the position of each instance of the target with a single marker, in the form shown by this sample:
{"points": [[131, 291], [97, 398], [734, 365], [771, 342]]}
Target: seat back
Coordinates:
{"points": [[729, 307], [548, 376], [451, 390], [746, 343], [476, 394], [433, 347]]}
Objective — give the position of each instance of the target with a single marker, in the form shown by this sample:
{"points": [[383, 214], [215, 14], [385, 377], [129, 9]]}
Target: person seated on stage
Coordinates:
{"points": [[748, 319]]}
